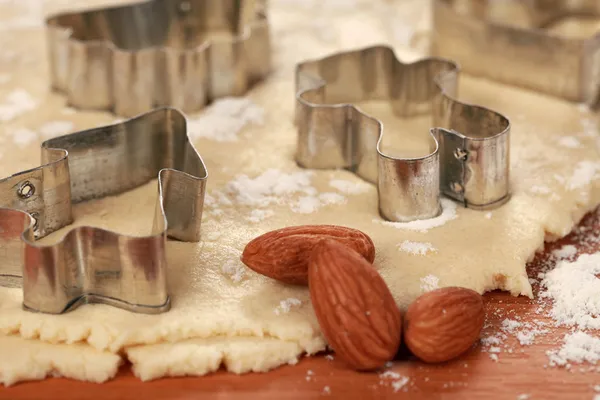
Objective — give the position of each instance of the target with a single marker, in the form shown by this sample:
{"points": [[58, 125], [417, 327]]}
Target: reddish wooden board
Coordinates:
{"points": [[474, 375]]}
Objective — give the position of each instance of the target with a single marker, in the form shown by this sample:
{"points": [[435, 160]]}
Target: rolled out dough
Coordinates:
{"points": [[225, 314]]}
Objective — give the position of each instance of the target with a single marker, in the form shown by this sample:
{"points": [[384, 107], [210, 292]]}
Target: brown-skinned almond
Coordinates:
{"points": [[444, 323], [283, 254], [355, 309]]}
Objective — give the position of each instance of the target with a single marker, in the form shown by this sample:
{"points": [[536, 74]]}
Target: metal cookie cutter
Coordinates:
{"points": [[92, 265], [509, 41], [469, 159], [180, 53]]}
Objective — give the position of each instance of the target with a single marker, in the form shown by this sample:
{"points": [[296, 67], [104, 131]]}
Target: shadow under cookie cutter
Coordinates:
{"points": [[180, 53], [469, 159], [93, 265], [506, 41]]}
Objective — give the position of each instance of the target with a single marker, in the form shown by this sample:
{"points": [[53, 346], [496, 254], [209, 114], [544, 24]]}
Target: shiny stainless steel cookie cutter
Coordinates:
{"points": [[93, 265], [507, 41], [469, 159], [180, 53]]}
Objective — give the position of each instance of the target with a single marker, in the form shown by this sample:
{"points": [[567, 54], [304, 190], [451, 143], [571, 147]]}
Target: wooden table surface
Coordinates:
{"points": [[475, 375]]}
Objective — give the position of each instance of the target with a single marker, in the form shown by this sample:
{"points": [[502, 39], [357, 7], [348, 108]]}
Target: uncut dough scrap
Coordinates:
{"points": [[224, 314]]}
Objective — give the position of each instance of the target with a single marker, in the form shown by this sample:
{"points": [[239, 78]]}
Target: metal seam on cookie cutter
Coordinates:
{"points": [[469, 159], [179, 53], [92, 264], [506, 41]]}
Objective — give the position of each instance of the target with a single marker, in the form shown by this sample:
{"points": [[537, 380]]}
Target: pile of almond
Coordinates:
{"points": [[355, 308]]}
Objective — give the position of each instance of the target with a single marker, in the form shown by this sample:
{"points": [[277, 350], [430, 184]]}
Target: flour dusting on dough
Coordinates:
{"points": [[224, 119], [584, 173], [271, 187], [349, 187], [234, 269], [285, 306], [23, 137], [15, 104], [56, 128], [416, 248], [429, 283], [570, 142], [274, 187], [448, 214]]}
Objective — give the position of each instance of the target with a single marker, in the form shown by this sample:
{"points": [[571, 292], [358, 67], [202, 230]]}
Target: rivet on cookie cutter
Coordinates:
{"points": [[179, 53], [93, 265], [507, 41], [469, 159]]}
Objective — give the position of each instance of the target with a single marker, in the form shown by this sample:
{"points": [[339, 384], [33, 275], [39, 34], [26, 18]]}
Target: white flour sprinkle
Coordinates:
{"points": [[56, 128], [22, 137], [570, 142], [396, 380], [416, 248], [584, 173], [258, 215], [15, 104], [525, 332], [567, 251], [223, 120], [448, 214], [273, 187], [349, 187], [523, 396], [399, 384], [429, 283], [573, 288], [306, 205], [510, 325], [326, 390], [234, 269], [286, 305], [310, 204], [309, 375], [578, 347], [488, 215]]}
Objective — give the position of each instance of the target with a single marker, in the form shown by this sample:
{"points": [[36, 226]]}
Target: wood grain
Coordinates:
{"points": [[473, 376]]}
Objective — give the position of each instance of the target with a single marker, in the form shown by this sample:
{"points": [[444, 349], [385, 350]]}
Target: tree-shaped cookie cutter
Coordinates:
{"points": [[469, 152], [92, 264], [179, 53], [507, 41]]}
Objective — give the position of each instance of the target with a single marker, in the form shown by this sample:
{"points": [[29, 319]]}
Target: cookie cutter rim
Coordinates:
{"points": [[158, 75], [395, 205], [519, 51], [141, 259]]}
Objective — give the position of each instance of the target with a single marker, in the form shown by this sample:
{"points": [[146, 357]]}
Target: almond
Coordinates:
{"points": [[444, 323], [283, 254], [354, 307]]}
